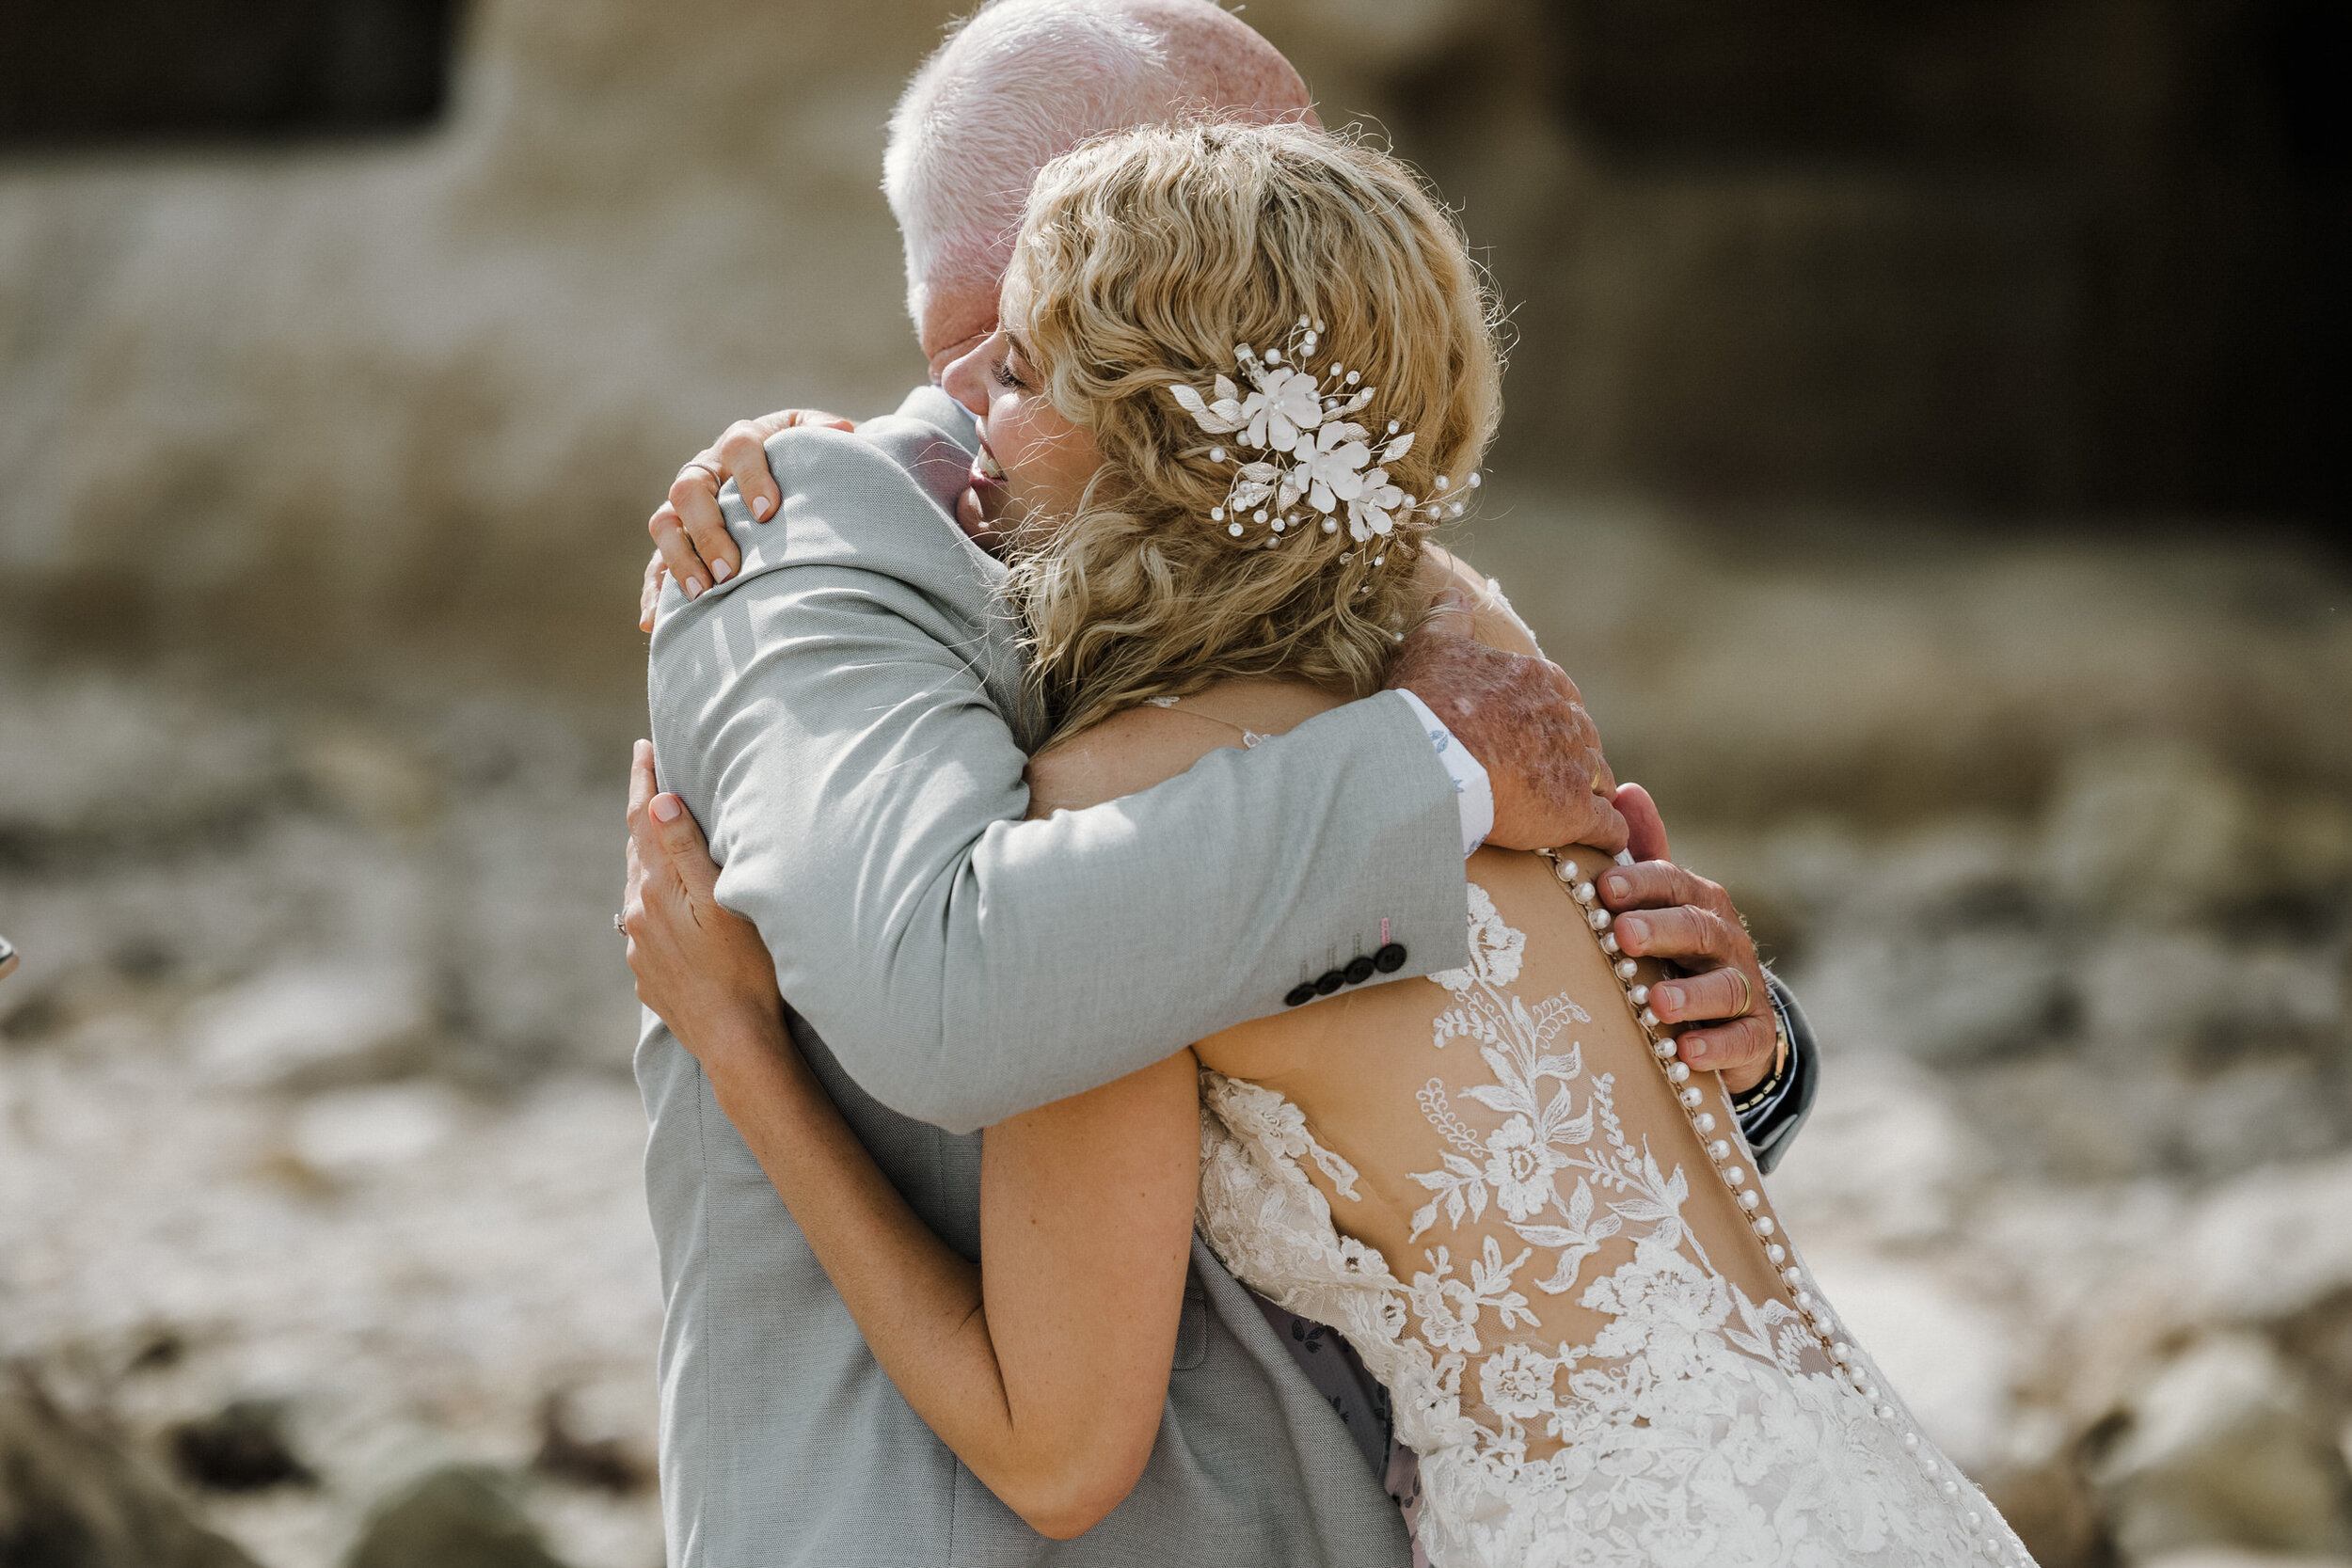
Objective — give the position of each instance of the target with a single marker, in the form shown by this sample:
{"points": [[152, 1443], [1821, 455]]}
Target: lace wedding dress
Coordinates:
{"points": [[1570, 1348]]}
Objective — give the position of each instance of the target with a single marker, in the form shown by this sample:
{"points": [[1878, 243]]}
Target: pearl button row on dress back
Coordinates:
{"points": [[1727, 1155]]}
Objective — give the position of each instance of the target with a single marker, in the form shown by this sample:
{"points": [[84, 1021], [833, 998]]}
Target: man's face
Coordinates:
{"points": [[957, 319]]}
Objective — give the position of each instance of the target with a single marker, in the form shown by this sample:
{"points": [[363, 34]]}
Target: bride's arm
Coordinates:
{"points": [[1045, 1367], [690, 533]]}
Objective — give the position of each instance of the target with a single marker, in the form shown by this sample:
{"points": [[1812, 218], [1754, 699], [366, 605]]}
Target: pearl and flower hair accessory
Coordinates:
{"points": [[1317, 454]]}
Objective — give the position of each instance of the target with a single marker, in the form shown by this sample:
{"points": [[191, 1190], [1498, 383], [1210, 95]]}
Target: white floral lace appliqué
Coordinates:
{"points": [[1695, 1427]]}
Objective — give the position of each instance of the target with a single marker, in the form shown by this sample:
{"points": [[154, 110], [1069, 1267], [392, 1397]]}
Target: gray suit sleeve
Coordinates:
{"points": [[830, 721]]}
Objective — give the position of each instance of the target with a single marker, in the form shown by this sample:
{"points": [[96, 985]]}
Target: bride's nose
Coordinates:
{"points": [[966, 379]]}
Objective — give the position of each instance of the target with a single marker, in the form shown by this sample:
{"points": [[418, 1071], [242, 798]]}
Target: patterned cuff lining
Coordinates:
{"points": [[1473, 791]]}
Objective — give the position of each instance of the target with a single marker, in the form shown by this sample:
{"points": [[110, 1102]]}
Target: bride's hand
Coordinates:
{"points": [[689, 535], [705, 971]]}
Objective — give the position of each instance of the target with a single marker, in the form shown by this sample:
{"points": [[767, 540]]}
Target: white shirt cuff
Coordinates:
{"points": [[1472, 789]]}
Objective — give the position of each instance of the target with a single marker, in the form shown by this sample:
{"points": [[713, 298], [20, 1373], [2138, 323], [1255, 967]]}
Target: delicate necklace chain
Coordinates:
{"points": [[1249, 737]]}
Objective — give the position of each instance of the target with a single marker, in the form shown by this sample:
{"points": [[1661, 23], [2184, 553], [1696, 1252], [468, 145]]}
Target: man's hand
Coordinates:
{"points": [[1664, 912], [689, 534], [1525, 721], [1522, 718]]}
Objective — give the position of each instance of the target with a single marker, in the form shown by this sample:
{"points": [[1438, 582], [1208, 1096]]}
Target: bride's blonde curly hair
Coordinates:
{"points": [[1144, 259]]}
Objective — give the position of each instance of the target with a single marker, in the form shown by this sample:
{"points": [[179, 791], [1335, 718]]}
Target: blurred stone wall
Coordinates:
{"points": [[2008, 255], [221, 68], [335, 393], [1987, 254]]}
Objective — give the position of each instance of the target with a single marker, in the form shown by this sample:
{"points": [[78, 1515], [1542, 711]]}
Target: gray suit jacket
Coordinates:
{"points": [[843, 717]]}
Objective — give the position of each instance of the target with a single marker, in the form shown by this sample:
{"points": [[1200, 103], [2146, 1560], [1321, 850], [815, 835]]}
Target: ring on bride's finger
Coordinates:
{"points": [[619, 924], [700, 466], [1747, 993]]}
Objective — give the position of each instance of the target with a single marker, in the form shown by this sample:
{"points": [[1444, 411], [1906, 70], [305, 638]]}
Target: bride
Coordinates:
{"points": [[1242, 372]]}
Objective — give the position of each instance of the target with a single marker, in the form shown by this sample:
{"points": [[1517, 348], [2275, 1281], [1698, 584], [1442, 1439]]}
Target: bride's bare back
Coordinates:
{"points": [[1470, 1119], [1545, 1239], [1508, 1112]]}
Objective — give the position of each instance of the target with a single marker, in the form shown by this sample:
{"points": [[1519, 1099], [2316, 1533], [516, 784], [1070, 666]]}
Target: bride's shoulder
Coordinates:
{"points": [[1125, 752], [1151, 743]]}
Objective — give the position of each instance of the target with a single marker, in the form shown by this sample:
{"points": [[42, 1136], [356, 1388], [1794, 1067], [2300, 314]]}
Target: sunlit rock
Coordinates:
{"points": [[2149, 831], [310, 1025], [1884, 1155], [2217, 1449], [94, 756], [70, 1495], [465, 1514], [1949, 1357], [346, 1133], [2273, 1241]]}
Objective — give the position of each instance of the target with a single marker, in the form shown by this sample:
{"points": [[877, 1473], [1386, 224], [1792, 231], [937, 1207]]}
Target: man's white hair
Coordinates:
{"points": [[1015, 85]]}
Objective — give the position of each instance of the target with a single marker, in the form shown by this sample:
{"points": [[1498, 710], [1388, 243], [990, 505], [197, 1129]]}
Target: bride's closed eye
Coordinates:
{"points": [[1009, 368]]}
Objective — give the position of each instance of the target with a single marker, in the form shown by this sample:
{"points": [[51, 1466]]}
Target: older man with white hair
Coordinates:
{"points": [[837, 696]]}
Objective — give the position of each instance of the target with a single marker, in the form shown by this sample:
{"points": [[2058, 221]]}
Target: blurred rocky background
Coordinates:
{"points": [[1927, 448]]}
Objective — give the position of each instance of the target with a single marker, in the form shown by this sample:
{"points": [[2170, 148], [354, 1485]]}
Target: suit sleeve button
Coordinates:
{"points": [[1389, 958], [1300, 995], [1330, 981], [1359, 969]]}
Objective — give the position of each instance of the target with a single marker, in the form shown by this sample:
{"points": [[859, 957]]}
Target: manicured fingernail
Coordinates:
{"points": [[720, 571], [694, 588], [1671, 995], [761, 506], [665, 808]]}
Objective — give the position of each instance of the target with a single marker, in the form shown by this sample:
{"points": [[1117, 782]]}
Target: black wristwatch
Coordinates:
{"points": [[1771, 1113]]}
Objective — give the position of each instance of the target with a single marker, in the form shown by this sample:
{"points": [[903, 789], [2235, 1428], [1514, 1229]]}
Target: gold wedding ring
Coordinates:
{"points": [[1747, 992]]}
